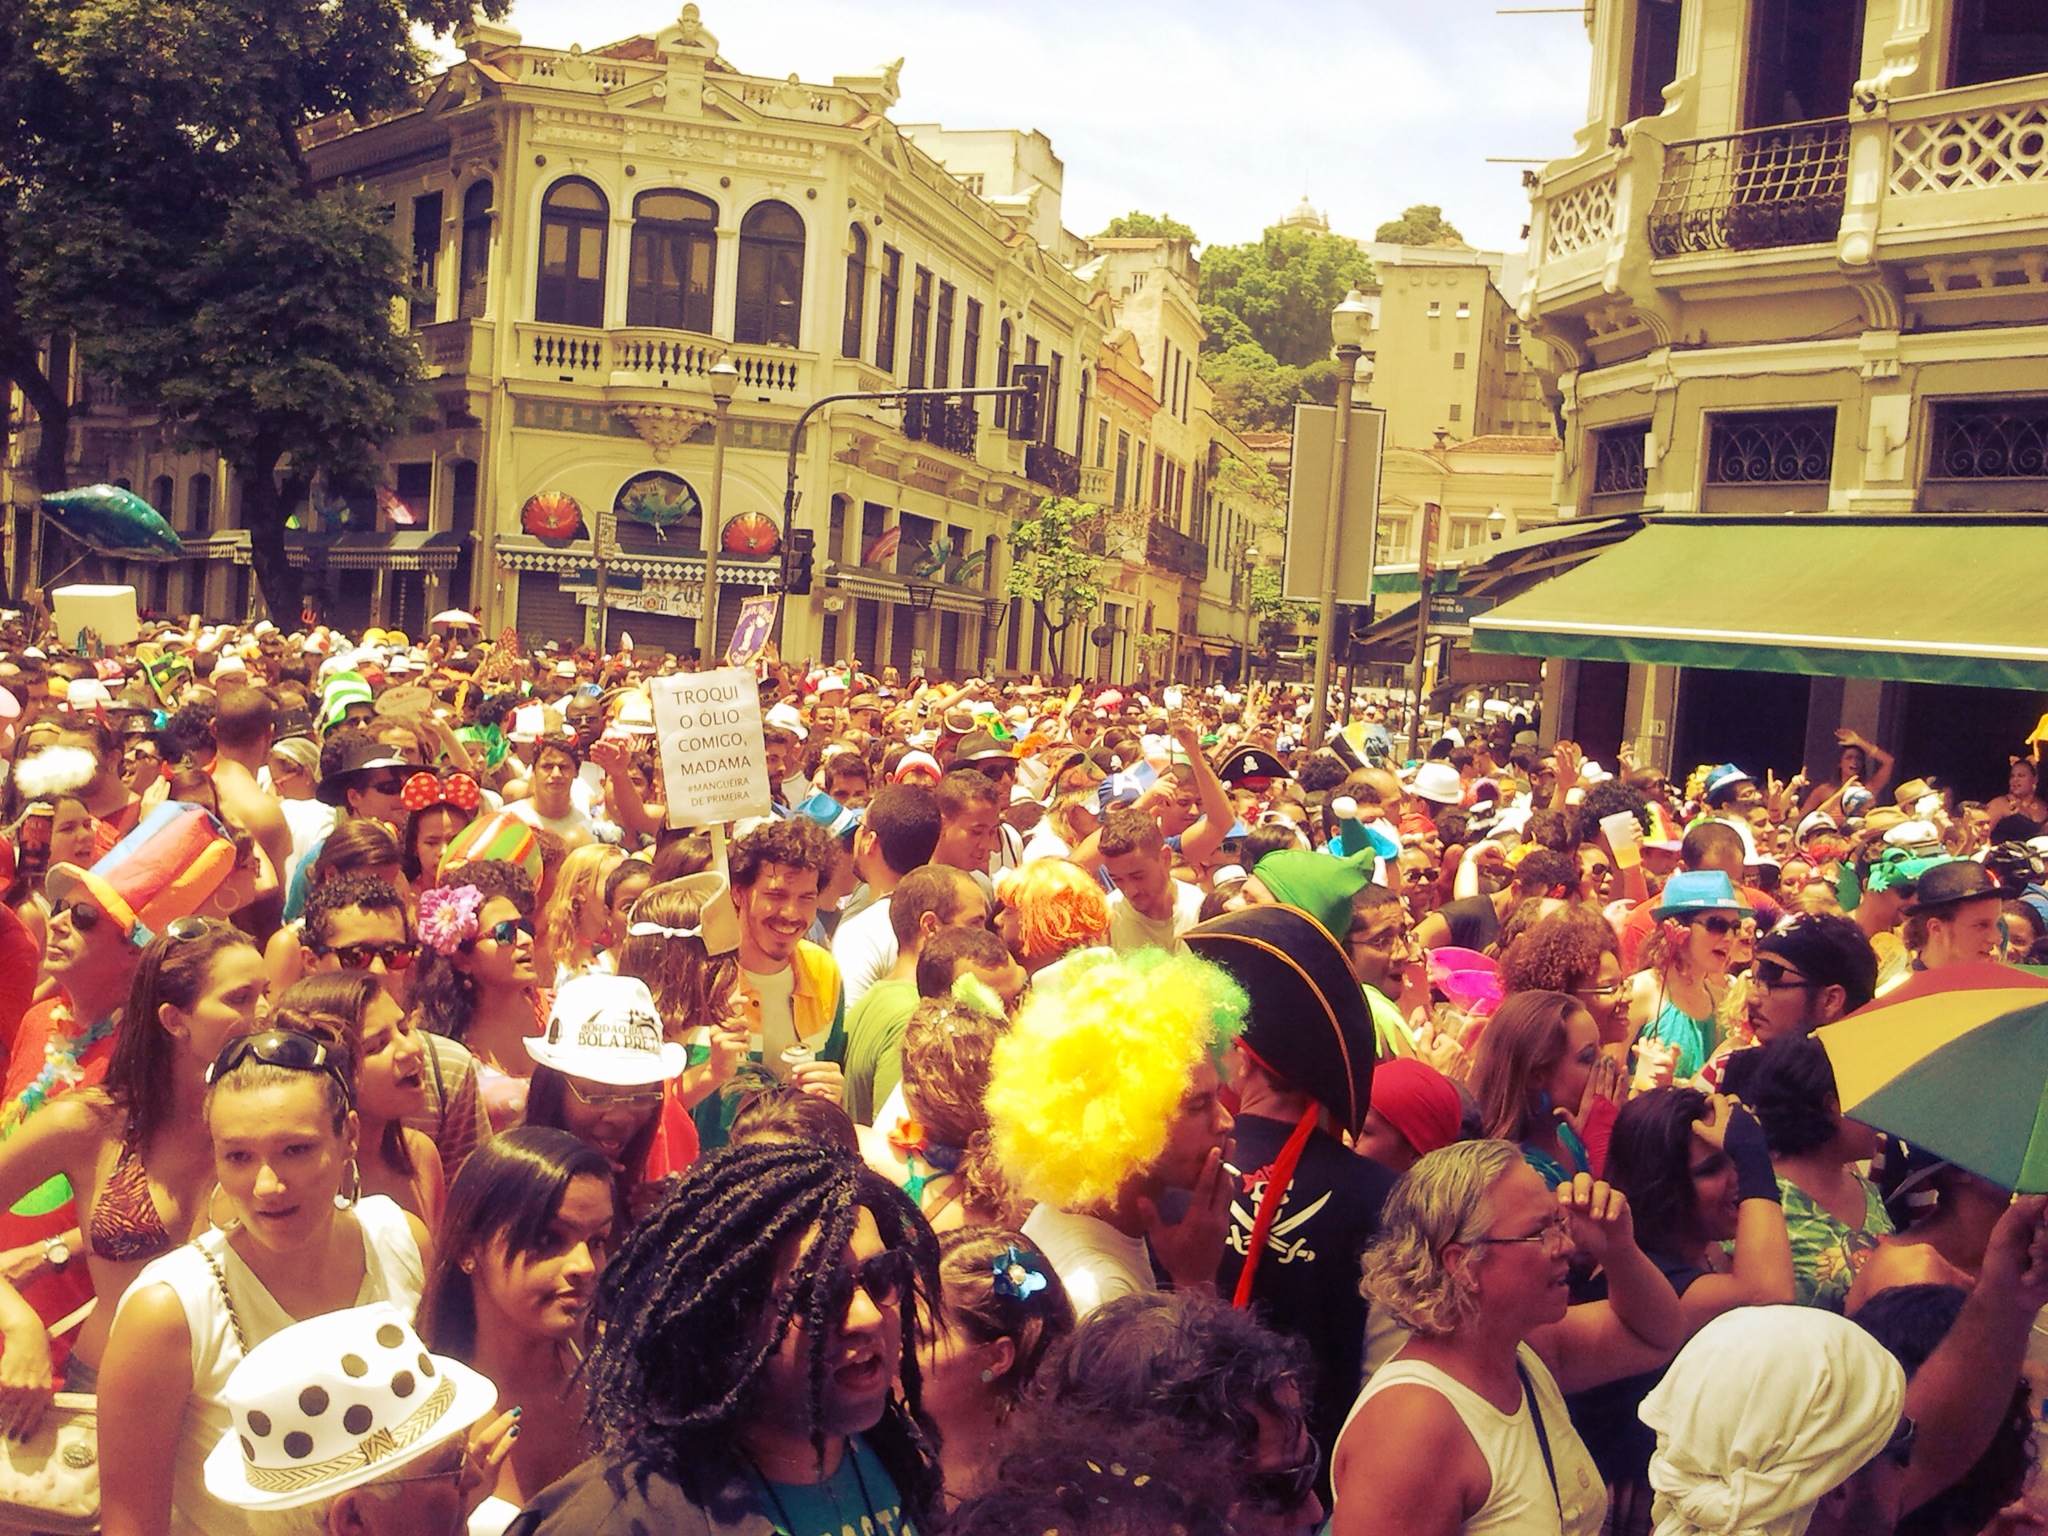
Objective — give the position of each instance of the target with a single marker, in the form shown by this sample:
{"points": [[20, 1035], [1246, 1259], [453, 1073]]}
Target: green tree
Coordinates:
{"points": [[1282, 287], [1054, 564], [155, 201], [1274, 613], [1137, 225], [1252, 391], [1423, 224]]}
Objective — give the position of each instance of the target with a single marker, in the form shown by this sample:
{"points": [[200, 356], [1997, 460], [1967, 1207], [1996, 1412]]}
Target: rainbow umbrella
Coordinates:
{"points": [[1955, 1061]]}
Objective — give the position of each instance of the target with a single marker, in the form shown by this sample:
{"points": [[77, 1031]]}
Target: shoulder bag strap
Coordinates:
{"points": [[1542, 1434], [235, 1322]]}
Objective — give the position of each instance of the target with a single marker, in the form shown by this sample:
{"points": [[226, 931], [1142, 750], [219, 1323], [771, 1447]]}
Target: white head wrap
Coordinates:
{"points": [[1765, 1410]]}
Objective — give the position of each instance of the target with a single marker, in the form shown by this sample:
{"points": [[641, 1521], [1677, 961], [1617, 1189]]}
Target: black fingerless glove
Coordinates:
{"points": [[1743, 1141]]}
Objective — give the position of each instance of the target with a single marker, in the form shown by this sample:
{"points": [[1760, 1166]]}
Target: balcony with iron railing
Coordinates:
{"points": [[1058, 472], [949, 424], [1948, 188], [1169, 549], [1750, 191]]}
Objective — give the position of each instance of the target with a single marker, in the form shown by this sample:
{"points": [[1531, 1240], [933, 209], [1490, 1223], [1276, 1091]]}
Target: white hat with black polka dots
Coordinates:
{"points": [[334, 1402]]}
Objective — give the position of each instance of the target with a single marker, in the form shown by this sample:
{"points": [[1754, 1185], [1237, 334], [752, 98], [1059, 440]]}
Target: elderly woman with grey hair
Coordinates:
{"points": [[1465, 1431]]}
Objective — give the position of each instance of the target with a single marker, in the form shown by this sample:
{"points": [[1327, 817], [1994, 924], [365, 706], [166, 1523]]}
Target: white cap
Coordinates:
{"points": [[605, 1029], [784, 717]]}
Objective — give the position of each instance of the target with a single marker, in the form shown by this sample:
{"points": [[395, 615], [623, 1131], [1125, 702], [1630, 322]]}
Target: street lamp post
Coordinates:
{"points": [[1349, 322], [724, 379]]}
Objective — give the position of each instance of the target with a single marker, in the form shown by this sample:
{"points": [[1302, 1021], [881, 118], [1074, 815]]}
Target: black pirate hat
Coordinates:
{"points": [[1248, 762], [1308, 1023]]}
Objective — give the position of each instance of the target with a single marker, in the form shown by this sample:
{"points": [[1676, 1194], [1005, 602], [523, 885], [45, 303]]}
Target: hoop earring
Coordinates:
{"points": [[355, 1187]]}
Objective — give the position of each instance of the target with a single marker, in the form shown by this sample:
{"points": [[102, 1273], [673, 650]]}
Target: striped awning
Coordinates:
{"points": [[862, 581], [401, 549], [764, 575]]}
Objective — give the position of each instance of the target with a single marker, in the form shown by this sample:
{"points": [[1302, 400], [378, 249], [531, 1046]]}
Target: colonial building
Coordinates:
{"points": [[1447, 348], [593, 233], [1791, 275]]}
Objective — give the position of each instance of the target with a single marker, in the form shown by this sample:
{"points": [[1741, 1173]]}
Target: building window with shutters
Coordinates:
{"points": [[424, 305], [1052, 399], [674, 259], [573, 220], [854, 313], [771, 278], [920, 325], [474, 286], [1004, 336], [885, 309], [942, 338], [970, 347]]}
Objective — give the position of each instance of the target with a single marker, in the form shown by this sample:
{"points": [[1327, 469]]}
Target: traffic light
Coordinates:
{"points": [[1027, 411], [796, 562]]}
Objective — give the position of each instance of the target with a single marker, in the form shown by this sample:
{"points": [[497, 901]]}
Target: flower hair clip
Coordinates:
{"points": [[448, 917], [1018, 1276]]}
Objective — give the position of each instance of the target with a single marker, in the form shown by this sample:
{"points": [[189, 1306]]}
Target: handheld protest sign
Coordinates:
{"points": [[708, 735]]}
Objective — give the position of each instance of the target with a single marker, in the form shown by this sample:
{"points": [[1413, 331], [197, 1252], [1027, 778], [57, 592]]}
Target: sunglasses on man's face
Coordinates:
{"points": [[385, 784], [1772, 976], [1284, 1489], [885, 1277], [359, 957], [83, 914]]}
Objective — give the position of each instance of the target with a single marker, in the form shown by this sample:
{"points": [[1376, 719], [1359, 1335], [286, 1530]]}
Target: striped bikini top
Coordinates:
{"points": [[125, 1227]]}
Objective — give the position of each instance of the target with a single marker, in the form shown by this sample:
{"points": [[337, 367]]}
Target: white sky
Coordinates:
{"points": [[1223, 116]]}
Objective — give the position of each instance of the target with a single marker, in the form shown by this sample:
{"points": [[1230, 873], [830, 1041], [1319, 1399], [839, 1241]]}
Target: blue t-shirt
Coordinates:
{"points": [[860, 1499]]}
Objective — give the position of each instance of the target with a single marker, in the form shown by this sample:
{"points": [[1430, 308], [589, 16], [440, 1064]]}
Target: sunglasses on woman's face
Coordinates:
{"points": [[614, 1096], [1720, 927], [287, 1048], [507, 932]]}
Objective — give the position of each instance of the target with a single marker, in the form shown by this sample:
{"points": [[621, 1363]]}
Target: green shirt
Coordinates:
{"points": [[1827, 1253], [874, 1046], [859, 1499]]}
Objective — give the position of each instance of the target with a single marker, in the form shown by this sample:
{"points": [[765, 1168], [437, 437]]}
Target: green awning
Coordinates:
{"points": [[1406, 578], [1930, 598]]}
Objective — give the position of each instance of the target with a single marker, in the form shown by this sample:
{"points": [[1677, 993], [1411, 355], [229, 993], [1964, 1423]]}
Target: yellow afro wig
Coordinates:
{"points": [[1084, 1088]]}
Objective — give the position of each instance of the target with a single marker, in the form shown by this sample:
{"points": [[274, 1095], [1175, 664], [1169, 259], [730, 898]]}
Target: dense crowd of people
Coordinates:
{"points": [[1067, 1109]]}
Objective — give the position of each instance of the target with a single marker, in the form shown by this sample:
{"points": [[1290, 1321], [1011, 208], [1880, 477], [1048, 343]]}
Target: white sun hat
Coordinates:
{"points": [[606, 1029], [335, 1402]]}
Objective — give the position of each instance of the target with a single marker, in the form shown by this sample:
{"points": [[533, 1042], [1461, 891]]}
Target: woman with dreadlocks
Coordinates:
{"points": [[748, 1337]]}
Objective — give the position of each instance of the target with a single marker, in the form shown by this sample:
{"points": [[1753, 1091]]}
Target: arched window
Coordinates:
{"points": [[675, 252], [199, 503], [573, 218], [163, 495], [1003, 343], [771, 293], [855, 318], [475, 290]]}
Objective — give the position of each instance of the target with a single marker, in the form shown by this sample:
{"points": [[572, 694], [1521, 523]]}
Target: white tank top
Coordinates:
{"points": [[1521, 1502], [391, 1272]]}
